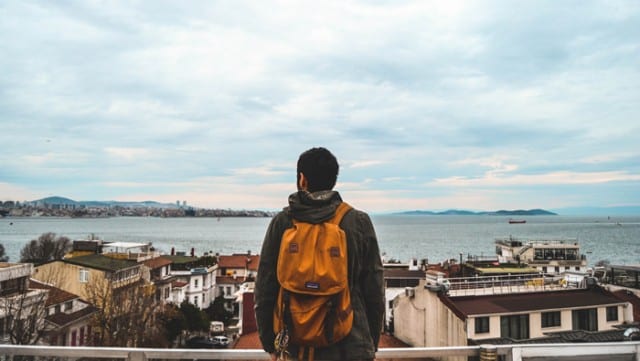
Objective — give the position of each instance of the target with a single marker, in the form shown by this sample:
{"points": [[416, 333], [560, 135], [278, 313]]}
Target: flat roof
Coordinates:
{"points": [[125, 245], [537, 301], [101, 262]]}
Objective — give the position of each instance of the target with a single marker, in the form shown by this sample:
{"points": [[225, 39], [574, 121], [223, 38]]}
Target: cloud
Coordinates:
{"points": [[415, 98], [493, 179]]}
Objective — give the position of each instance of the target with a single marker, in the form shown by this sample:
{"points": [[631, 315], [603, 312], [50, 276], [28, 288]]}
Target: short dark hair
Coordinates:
{"points": [[319, 167]]}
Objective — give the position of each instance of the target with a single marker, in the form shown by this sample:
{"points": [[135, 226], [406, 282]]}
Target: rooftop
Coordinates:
{"points": [[62, 319], [55, 296], [537, 301], [101, 262], [239, 261], [157, 262]]}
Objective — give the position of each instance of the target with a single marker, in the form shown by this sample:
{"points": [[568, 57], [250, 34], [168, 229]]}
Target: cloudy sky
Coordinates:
{"points": [[479, 105]]}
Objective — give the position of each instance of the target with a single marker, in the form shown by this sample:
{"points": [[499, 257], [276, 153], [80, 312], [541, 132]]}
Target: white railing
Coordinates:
{"points": [[584, 351]]}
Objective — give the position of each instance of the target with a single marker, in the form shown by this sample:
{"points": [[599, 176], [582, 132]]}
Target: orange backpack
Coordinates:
{"points": [[314, 304]]}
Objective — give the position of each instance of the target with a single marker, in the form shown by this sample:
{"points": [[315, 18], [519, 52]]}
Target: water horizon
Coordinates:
{"points": [[435, 238]]}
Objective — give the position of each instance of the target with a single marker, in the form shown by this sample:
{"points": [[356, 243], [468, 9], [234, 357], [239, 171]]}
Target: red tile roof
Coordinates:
{"points": [[56, 295], [62, 319], [240, 261], [178, 284], [522, 302], [629, 296], [157, 262], [226, 280]]}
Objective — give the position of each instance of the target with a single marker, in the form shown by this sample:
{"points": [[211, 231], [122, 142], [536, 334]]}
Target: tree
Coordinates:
{"points": [[46, 248], [173, 321], [196, 319], [126, 314], [217, 311], [3, 256], [25, 311]]}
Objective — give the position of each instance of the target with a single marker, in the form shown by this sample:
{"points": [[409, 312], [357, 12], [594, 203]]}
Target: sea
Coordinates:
{"points": [[434, 238]]}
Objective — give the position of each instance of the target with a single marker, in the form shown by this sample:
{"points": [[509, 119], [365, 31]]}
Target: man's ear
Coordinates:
{"points": [[302, 183]]}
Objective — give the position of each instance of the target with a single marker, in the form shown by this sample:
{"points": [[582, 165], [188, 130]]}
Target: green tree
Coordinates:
{"points": [[173, 321], [217, 311], [46, 248], [195, 318]]}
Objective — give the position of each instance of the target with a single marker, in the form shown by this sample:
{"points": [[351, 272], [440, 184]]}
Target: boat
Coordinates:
{"points": [[516, 221]]}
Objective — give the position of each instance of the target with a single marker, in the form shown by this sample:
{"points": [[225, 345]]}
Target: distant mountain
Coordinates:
{"points": [[66, 201], [456, 212]]}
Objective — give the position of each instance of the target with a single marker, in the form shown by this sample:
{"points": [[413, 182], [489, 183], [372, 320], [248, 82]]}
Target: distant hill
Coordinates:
{"points": [[456, 212], [66, 201]]}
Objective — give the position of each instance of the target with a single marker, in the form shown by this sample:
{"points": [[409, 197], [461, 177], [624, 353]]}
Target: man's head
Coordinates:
{"points": [[317, 170]]}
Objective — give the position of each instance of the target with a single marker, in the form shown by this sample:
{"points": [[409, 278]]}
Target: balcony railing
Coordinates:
{"points": [[539, 352]]}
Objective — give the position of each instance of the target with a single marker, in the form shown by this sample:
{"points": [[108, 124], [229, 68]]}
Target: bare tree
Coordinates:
{"points": [[126, 315], [46, 248], [25, 312], [3, 255]]}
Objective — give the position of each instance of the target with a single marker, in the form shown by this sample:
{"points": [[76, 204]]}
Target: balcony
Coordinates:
{"points": [[526, 352]]}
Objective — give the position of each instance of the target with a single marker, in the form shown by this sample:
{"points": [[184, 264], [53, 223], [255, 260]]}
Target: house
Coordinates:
{"points": [[432, 316], [193, 279], [233, 271], [158, 272], [68, 318], [397, 277], [76, 274], [22, 309]]}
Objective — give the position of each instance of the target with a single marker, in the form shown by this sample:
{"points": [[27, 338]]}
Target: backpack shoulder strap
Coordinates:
{"points": [[342, 209]]}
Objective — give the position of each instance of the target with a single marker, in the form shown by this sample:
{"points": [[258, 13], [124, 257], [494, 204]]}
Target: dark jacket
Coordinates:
{"points": [[365, 275]]}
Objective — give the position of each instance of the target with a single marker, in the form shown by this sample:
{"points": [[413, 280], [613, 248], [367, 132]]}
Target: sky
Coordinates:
{"points": [[428, 105]]}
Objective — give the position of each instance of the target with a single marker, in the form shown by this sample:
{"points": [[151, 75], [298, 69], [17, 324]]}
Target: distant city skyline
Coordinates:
{"points": [[472, 105]]}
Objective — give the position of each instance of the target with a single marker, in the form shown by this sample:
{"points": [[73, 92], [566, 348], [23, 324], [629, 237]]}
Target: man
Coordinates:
{"points": [[315, 202]]}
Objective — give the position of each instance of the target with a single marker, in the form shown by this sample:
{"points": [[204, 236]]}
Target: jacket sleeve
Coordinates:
{"points": [[267, 286], [372, 279]]}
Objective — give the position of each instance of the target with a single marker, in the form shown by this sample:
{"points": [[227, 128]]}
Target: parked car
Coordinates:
{"points": [[221, 341], [201, 342]]}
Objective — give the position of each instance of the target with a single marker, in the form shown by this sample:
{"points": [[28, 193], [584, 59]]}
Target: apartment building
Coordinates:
{"points": [[430, 315], [549, 256], [22, 309], [233, 271], [98, 270], [192, 279]]}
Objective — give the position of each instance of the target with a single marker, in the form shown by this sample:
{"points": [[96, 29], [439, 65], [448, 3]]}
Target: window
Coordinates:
{"points": [[612, 313], [195, 301], [84, 275], [68, 305], [557, 269], [482, 324], [539, 254], [550, 319], [515, 327], [586, 320]]}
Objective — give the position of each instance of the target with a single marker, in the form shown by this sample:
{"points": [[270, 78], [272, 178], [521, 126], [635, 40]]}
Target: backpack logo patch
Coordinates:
{"points": [[293, 248], [312, 285], [334, 252]]}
